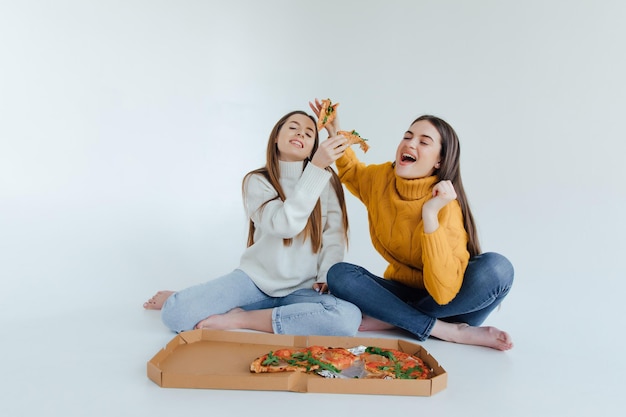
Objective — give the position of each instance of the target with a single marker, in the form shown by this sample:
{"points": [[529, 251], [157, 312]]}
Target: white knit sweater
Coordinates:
{"points": [[276, 269]]}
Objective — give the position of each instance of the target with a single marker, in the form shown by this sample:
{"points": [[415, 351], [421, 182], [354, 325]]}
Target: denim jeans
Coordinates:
{"points": [[487, 280], [303, 312]]}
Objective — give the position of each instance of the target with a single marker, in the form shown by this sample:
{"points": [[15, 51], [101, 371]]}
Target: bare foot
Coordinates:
{"points": [[480, 336], [157, 300], [226, 321], [370, 323]]}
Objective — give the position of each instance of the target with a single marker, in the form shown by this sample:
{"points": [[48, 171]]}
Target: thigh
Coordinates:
{"points": [[353, 282], [307, 295], [307, 299], [300, 296]]}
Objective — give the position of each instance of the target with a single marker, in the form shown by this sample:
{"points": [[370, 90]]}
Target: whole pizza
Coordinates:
{"points": [[361, 362]]}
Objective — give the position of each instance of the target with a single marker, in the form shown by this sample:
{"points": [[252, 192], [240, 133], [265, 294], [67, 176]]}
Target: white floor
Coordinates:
{"points": [[92, 362]]}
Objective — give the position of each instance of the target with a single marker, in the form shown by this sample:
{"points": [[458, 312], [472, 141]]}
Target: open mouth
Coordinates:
{"points": [[407, 158], [297, 143]]}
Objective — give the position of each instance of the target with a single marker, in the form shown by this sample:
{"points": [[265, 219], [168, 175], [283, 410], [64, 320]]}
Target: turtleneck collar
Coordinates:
{"points": [[415, 189], [291, 169]]}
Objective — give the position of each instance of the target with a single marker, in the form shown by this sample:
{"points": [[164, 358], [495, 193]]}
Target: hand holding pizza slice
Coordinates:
{"points": [[326, 114]]}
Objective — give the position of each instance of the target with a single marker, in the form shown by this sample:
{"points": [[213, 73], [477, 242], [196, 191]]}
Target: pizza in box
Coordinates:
{"points": [[367, 362]]}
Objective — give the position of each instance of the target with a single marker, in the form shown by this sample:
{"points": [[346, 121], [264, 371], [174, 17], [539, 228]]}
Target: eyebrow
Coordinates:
{"points": [[423, 136], [306, 127]]}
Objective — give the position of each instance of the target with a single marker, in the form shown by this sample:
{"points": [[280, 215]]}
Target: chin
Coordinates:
{"points": [[402, 172]]}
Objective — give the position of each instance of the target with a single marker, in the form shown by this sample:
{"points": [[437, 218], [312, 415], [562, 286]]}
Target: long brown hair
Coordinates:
{"points": [[271, 171], [450, 169]]}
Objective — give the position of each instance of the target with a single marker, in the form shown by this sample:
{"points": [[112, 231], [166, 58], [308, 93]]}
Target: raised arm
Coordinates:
{"points": [[288, 218]]}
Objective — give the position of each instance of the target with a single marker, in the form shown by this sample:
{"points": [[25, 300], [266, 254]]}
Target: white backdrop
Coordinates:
{"points": [[127, 126]]}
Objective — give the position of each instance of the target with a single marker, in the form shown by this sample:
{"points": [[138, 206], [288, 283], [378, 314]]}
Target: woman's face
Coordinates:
{"points": [[418, 153], [296, 138]]}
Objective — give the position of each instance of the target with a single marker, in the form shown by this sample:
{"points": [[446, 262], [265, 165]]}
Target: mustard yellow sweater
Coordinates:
{"points": [[434, 261]]}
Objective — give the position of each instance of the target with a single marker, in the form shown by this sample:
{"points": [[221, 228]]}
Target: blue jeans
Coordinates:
{"points": [[488, 279], [303, 312]]}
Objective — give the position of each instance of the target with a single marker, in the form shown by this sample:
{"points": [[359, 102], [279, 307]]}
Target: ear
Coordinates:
{"points": [[438, 164]]}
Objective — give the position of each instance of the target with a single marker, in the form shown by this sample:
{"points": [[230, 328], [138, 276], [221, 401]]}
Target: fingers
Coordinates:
{"points": [[336, 141], [329, 151], [337, 145], [316, 107], [321, 287], [444, 189]]}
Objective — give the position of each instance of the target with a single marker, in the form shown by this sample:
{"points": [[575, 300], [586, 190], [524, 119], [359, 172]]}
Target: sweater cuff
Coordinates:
{"points": [[345, 159], [314, 179], [433, 244]]}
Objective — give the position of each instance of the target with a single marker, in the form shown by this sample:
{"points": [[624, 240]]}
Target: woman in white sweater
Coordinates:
{"points": [[298, 230]]}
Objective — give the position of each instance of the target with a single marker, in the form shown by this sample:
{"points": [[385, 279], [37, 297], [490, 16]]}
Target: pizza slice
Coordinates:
{"points": [[309, 359], [354, 138], [339, 358], [280, 360], [327, 114], [394, 364]]}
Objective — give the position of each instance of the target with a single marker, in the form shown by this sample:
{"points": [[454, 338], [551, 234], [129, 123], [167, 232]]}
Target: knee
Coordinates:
{"points": [[349, 320], [339, 275], [338, 271], [173, 316], [500, 268]]}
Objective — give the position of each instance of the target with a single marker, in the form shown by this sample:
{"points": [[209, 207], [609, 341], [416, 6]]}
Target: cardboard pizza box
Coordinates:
{"points": [[221, 360]]}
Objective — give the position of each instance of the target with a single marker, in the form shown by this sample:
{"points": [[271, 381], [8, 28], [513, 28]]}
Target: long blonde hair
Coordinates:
{"points": [[271, 171]]}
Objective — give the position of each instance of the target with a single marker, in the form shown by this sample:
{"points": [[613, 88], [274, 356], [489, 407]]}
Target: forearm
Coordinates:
{"points": [[289, 217], [333, 237], [430, 221], [444, 256], [350, 172]]}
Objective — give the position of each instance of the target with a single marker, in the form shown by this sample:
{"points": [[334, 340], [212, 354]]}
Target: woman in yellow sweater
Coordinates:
{"points": [[437, 283]]}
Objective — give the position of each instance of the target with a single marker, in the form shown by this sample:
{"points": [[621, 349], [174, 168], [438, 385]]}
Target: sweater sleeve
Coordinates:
{"points": [[351, 172], [445, 255], [285, 219], [333, 236]]}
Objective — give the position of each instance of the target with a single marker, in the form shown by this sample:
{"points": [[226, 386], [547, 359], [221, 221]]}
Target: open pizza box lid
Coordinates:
{"points": [[221, 360]]}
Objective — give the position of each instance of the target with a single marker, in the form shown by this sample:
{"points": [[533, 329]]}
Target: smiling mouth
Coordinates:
{"points": [[297, 143], [405, 157]]}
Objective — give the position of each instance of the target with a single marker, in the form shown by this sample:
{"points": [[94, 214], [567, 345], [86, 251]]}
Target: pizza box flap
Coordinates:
{"points": [[221, 360]]}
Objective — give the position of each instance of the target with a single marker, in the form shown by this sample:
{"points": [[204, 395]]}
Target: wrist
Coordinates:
{"points": [[430, 221]]}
